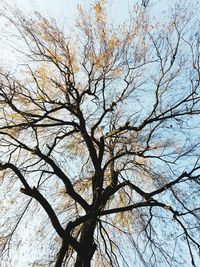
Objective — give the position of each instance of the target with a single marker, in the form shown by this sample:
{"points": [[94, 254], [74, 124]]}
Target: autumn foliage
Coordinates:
{"points": [[99, 141]]}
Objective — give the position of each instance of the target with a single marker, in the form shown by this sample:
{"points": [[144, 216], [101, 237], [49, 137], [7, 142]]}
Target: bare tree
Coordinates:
{"points": [[100, 130]]}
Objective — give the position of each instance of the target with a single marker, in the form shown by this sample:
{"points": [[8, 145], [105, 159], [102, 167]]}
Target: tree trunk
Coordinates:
{"points": [[62, 254], [87, 244], [83, 262]]}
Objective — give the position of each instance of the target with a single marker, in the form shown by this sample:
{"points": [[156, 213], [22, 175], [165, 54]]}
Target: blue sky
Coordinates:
{"points": [[64, 11], [66, 8], [118, 9]]}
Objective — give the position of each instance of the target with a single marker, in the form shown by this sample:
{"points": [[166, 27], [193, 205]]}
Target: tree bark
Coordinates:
{"points": [[87, 243]]}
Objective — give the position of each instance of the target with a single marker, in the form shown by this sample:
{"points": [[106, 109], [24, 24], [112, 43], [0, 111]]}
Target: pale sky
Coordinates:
{"points": [[64, 10]]}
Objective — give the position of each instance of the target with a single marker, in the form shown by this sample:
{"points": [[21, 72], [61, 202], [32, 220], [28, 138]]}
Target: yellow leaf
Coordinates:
{"points": [[98, 8], [167, 207], [113, 42]]}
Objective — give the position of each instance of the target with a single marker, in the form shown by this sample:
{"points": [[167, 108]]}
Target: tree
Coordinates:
{"points": [[99, 129]]}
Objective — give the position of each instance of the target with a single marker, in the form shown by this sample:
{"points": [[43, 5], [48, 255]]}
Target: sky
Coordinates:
{"points": [[64, 10]]}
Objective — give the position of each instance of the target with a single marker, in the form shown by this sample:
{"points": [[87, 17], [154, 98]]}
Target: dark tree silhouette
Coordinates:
{"points": [[99, 141]]}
